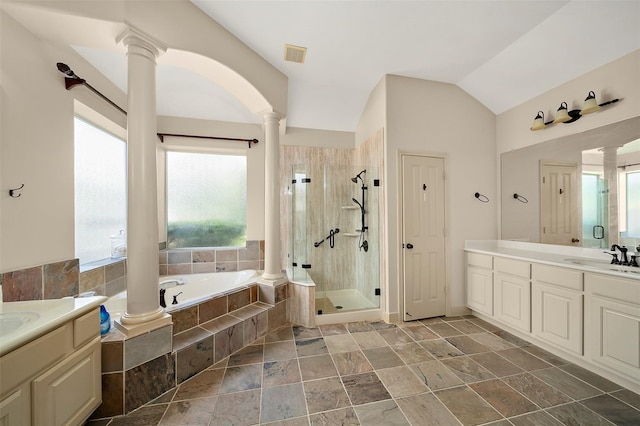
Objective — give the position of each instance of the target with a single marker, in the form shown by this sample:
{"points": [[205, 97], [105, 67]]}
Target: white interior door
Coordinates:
{"points": [[423, 219], [558, 204]]}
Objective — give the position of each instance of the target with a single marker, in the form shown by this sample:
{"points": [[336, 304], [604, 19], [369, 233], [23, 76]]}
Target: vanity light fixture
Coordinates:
{"points": [[590, 105], [564, 116], [538, 122]]}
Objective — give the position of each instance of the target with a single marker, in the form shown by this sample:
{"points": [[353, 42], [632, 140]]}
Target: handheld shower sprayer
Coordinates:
{"points": [[358, 203]]}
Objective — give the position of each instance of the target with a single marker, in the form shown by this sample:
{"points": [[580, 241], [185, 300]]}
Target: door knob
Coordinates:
{"points": [[575, 240], [409, 246]]}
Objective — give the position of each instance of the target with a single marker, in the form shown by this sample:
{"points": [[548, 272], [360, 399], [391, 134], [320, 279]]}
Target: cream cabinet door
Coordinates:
{"points": [[615, 337], [15, 408], [512, 301], [480, 290], [556, 315], [612, 321], [69, 392]]}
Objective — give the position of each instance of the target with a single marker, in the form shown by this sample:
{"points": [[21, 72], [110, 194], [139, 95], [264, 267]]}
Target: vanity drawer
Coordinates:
{"points": [[516, 268], [20, 365], [560, 277], [480, 260]]}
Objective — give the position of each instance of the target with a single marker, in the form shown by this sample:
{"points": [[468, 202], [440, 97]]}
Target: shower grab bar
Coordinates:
{"points": [[331, 238]]}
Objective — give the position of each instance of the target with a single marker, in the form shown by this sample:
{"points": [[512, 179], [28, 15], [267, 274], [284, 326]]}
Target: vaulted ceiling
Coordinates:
{"points": [[502, 53]]}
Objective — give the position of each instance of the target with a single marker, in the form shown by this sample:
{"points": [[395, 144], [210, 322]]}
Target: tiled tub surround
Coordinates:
{"points": [[50, 281], [62, 279], [106, 278], [195, 261], [137, 370]]}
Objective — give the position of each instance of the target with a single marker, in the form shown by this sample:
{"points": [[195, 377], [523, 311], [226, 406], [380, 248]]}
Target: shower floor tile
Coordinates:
{"points": [[333, 301], [372, 373]]}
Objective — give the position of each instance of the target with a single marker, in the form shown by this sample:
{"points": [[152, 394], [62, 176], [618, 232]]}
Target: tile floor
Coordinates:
{"points": [[441, 371]]}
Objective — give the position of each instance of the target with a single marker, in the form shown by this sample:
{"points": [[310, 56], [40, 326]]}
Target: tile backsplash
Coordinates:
{"points": [[68, 278]]}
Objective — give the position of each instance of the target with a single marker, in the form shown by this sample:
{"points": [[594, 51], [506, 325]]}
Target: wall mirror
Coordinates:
{"points": [[578, 190]]}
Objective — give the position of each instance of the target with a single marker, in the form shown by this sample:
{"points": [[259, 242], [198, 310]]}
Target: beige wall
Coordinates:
{"points": [[618, 79], [431, 118], [36, 147]]}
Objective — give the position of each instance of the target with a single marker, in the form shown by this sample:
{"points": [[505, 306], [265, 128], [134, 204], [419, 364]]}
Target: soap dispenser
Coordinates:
{"points": [[105, 320]]}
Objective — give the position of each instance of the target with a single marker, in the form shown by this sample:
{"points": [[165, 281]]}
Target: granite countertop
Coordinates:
{"points": [[583, 259], [22, 322]]}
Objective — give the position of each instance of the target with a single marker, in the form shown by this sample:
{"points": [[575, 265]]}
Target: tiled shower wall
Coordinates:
{"points": [[327, 197], [68, 278]]}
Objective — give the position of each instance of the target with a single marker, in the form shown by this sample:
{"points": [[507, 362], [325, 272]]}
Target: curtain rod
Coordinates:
{"points": [[249, 141], [71, 80]]}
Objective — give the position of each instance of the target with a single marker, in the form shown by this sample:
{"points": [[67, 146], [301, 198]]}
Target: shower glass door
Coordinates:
{"points": [[335, 235], [595, 211]]}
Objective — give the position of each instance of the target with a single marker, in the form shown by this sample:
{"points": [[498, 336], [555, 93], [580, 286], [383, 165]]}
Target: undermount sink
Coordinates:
{"points": [[12, 321], [603, 264]]}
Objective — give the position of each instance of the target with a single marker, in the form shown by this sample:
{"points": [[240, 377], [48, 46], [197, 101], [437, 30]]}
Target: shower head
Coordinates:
{"points": [[357, 202], [355, 179]]}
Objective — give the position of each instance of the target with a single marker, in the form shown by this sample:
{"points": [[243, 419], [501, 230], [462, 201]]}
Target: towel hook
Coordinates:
{"points": [[520, 198], [13, 191], [482, 198]]}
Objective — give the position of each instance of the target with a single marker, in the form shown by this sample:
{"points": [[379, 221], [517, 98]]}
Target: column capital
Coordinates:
{"points": [[271, 116], [134, 37]]}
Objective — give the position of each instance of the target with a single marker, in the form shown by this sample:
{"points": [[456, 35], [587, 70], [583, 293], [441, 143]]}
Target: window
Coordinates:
{"points": [[630, 203], [100, 166], [206, 200]]}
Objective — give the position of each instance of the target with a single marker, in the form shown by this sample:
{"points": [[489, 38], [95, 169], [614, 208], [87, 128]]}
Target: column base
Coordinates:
{"points": [[273, 279], [135, 328]]}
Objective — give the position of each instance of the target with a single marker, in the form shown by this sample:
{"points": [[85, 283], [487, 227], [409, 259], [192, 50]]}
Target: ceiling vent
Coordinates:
{"points": [[294, 53]]}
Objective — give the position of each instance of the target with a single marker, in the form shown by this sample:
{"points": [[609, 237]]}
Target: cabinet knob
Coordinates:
{"points": [[575, 240], [409, 246]]}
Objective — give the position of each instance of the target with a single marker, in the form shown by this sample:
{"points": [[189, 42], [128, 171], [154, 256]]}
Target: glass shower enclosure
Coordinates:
{"points": [[335, 238]]}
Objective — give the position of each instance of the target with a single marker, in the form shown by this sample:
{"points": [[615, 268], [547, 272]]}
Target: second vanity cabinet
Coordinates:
{"points": [[54, 379], [512, 292], [590, 318], [556, 306], [480, 283], [612, 328]]}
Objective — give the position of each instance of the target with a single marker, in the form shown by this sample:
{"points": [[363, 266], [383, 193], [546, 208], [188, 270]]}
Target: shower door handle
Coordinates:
{"points": [[409, 246]]}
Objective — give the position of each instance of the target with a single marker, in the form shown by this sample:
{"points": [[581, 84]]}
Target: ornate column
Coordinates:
{"points": [[143, 309], [272, 257]]}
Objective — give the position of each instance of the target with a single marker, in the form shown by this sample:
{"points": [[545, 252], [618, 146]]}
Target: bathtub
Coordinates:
{"points": [[196, 289]]}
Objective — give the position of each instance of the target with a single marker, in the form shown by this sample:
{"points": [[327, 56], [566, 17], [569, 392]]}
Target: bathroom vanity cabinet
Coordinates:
{"points": [[512, 289], [612, 323], [480, 283], [557, 301], [586, 316], [55, 378]]}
